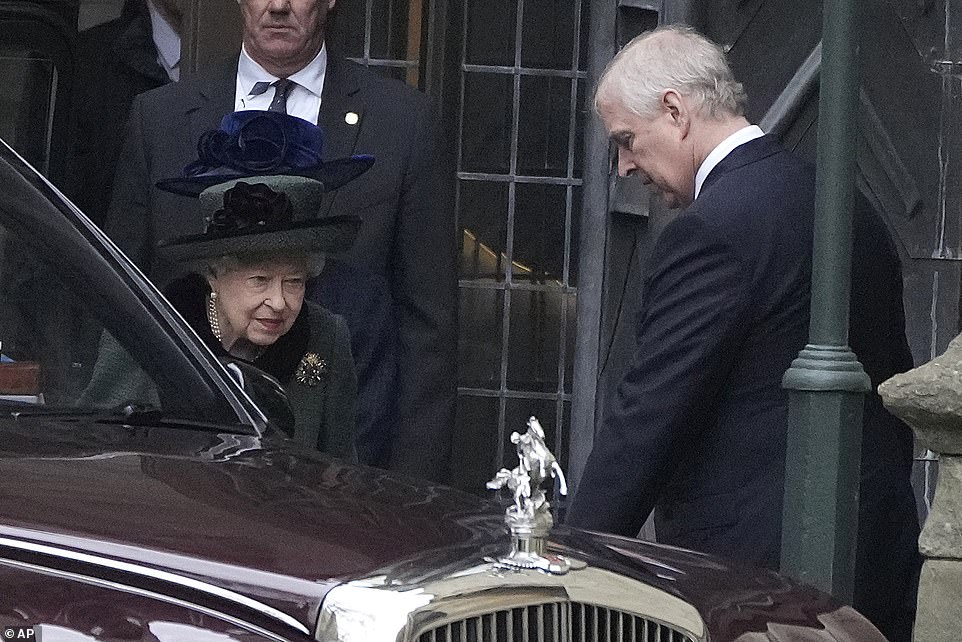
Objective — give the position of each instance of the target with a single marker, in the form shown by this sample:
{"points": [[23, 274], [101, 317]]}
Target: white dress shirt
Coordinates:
{"points": [[167, 42], [723, 149], [304, 99]]}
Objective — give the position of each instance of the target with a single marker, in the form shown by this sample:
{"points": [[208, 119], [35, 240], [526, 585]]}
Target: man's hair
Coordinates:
{"points": [[671, 57]]}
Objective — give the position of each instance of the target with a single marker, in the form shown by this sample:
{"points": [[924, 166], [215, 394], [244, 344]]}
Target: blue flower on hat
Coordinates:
{"points": [[263, 143], [259, 142]]}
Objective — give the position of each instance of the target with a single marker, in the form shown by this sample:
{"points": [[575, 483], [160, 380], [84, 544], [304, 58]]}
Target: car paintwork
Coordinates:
{"points": [[281, 525]]}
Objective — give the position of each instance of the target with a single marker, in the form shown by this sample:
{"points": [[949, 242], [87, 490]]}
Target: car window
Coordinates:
{"points": [[53, 350], [82, 330]]}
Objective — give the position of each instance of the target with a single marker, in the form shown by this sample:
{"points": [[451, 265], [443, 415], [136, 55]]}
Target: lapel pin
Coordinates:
{"points": [[351, 118]]}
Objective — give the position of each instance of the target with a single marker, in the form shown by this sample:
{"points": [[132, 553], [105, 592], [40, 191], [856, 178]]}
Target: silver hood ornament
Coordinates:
{"points": [[529, 517]]}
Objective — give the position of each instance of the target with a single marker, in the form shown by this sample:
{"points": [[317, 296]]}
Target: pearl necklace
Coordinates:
{"points": [[212, 315]]}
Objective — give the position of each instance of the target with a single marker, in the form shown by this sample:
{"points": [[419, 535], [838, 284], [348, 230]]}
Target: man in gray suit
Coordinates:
{"points": [[406, 241]]}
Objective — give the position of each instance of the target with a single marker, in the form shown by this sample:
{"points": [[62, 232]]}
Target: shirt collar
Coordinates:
{"points": [[165, 38], [723, 149], [310, 77]]}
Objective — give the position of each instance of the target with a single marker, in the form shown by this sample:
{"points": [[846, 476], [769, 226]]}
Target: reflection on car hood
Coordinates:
{"points": [[299, 520], [282, 526]]}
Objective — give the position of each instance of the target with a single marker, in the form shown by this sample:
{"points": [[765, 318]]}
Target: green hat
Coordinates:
{"points": [[263, 214]]}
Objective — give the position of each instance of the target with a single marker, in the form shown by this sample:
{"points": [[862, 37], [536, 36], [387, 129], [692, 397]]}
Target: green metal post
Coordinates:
{"points": [[826, 383]]}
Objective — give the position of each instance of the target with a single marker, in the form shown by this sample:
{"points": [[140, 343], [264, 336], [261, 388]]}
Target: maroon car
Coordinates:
{"points": [[180, 512]]}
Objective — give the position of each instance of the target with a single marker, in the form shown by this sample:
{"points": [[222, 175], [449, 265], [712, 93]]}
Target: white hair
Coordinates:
{"points": [[671, 57]]}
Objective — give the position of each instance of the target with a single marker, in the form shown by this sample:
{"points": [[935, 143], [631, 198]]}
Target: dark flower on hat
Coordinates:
{"points": [[249, 207], [258, 142]]}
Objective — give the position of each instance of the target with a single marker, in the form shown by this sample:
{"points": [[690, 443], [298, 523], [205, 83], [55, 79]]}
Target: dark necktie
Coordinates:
{"points": [[282, 88]]}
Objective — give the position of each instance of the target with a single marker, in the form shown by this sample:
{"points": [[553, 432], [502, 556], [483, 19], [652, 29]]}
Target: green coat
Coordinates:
{"points": [[324, 397], [312, 361]]}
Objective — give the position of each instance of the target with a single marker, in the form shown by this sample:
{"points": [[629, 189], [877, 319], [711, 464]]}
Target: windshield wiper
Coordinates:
{"points": [[129, 413]]}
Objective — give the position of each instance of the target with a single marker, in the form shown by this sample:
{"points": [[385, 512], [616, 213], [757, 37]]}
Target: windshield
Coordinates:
{"points": [[78, 335]]}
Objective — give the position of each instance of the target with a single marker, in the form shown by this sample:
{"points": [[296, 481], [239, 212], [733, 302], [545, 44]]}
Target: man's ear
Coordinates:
{"points": [[672, 103], [676, 107]]}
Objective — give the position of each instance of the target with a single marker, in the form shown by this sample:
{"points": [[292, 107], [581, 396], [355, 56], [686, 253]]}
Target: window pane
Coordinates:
{"points": [[486, 135], [548, 32], [390, 34], [25, 104], [475, 444], [539, 233], [575, 236], [583, 104], [479, 340], [490, 34], [484, 218], [543, 126], [571, 333], [583, 35], [53, 351], [534, 340]]}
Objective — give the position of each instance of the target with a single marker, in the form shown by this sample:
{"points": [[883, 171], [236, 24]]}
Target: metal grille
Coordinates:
{"points": [[555, 622]]}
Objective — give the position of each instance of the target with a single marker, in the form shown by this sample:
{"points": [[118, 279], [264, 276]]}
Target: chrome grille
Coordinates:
{"points": [[555, 622]]}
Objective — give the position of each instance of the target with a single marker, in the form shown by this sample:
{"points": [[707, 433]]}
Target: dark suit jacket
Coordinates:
{"points": [[364, 300], [405, 237], [697, 430], [116, 61]]}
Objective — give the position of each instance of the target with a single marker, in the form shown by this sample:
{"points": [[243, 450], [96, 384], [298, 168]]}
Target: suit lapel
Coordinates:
{"points": [[340, 97], [341, 116], [212, 101]]}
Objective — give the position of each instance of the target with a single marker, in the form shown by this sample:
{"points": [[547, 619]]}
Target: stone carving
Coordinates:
{"points": [[929, 399]]}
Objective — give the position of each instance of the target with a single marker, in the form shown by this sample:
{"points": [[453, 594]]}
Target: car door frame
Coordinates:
{"points": [[31, 205]]}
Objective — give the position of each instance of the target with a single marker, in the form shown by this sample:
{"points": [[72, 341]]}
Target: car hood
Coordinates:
{"points": [[258, 516], [282, 526]]}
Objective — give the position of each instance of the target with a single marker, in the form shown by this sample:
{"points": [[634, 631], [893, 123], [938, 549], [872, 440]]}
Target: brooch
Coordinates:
{"points": [[311, 369]]}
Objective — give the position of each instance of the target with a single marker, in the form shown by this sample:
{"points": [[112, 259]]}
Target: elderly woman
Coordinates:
{"points": [[244, 291], [245, 298]]}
